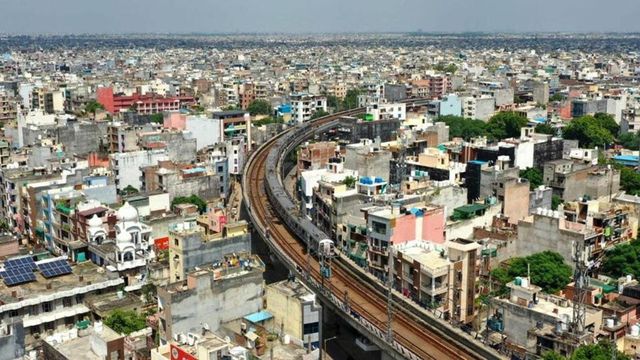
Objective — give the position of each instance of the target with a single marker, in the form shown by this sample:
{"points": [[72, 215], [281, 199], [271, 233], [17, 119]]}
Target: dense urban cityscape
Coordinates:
{"points": [[400, 195]]}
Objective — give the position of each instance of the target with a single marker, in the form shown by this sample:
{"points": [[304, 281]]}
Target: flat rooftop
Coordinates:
{"points": [[81, 346], [294, 289], [430, 259], [90, 274]]}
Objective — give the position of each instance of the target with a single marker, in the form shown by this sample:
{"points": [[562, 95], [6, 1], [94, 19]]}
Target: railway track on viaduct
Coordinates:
{"points": [[288, 236]]}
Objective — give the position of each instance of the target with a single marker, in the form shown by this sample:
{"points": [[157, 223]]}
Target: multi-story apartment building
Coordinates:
{"points": [[205, 241], [303, 106], [8, 107], [217, 293], [142, 104], [46, 306], [394, 225]]}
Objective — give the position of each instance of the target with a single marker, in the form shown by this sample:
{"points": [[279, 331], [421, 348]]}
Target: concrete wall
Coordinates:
{"points": [[12, 345], [287, 311], [80, 138], [104, 194], [205, 130], [127, 170], [464, 229], [450, 197], [195, 252], [540, 198], [214, 303], [516, 201], [368, 164], [543, 234]]}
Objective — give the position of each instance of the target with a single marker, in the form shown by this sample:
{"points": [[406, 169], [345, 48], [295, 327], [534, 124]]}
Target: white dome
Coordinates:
{"points": [[95, 221], [123, 237], [127, 213]]}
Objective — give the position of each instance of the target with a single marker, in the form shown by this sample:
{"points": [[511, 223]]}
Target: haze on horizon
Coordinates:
{"points": [[305, 16]]}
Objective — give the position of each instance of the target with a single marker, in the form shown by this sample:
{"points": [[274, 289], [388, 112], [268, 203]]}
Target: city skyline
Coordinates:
{"points": [[295, 17]]}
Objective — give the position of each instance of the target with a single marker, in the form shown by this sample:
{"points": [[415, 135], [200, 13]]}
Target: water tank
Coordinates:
{"points": [[635, 330], [525, 282], [518, 281], [629, 278], [286, 340], [556, 214], [610, 323]]}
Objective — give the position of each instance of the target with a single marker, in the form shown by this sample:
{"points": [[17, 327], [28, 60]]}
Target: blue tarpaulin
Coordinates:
{"points": [[258, 317]]}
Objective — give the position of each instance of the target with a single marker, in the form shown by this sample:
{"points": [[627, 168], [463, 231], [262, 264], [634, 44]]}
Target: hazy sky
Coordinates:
{"points": [[303, 16]]}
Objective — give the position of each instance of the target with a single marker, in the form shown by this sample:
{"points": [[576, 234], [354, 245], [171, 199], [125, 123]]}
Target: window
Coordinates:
{"points": [[220, 169], [379, 227], [311, 328], [47, 307], [66, 302], [176, 242]]}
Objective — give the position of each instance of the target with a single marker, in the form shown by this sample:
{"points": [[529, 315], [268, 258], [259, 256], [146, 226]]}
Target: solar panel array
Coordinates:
{"points": [[18, 271], [26, 261], [54, 268]]}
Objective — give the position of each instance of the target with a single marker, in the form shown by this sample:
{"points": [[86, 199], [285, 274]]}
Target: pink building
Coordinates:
{"points": [[175, 120], [397, 225]]}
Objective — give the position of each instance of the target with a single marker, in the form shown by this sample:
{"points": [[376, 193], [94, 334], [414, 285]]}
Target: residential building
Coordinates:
{"points": [[208, 240], [142, 104], [296, 311], [215, 294], [304, 105]]}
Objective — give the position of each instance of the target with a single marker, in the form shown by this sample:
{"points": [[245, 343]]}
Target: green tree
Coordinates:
{"points": [[555, 202], [260, 107], [608, 122], [556, 97], [447, 68], [125, 321], [622, 260], [505, 124], [333, 102], [629, 140], [545, 129], [350, 182], [548, 270], [193, 199], [463, 127], [534, 175], [149, 291], [318, 114], [197, 109], [604, 350], [157, 118], [92, 107], [630, 180], [351, 99], [551, 355], [589, 132], [129, 190]]}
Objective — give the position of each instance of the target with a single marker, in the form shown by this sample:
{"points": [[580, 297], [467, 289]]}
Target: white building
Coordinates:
{"points": [[126, 166], [381, 111], [236, 155], [480, 107], [207, 131], [304, 105]]}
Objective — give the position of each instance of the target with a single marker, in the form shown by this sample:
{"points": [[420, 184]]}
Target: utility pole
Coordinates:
{"points": [[389, 294], [581, 284]]}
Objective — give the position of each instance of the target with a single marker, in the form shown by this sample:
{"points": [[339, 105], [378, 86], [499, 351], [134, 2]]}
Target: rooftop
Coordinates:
{"points": [[294, 289], [83, 345], [85, 274]]}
